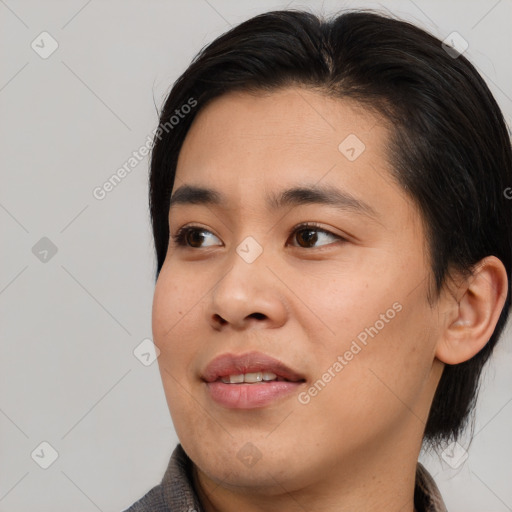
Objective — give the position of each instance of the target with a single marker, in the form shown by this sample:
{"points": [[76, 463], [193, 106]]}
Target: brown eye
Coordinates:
{"points": [[192, 236], [307, 235]]}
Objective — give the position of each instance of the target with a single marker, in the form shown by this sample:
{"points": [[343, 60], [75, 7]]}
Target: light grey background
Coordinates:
{"points": [[69, 326]]}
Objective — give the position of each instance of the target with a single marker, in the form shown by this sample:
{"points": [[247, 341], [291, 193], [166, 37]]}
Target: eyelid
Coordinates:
{"points": [[316, 227], [183, 231]]}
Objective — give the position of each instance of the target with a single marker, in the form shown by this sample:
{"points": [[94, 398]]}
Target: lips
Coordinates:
{"points": [[252, 362], [243, 395]]}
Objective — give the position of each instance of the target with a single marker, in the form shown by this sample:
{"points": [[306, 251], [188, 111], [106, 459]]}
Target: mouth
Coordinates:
{"points": [[252, 367], [251, 380]]}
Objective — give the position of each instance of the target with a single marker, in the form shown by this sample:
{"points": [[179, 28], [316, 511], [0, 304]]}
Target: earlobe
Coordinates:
{"points": [[473, 312]]}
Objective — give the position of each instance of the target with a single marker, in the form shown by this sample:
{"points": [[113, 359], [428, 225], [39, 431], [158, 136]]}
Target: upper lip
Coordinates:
{"points": [[251, 362]]}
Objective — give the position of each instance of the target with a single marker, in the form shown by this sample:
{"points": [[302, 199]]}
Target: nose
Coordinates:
{"points": [[248, 296]]}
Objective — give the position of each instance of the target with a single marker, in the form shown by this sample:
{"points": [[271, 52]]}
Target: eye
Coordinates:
{"points": [[308, 233], [191, 236]]}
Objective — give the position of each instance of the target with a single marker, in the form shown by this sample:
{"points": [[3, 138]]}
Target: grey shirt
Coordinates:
{"points": [[176, 492]]}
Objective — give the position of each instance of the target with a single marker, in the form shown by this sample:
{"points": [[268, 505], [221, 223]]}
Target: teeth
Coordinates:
{"points": [[249, 378], [233, 379], [253, 377]]}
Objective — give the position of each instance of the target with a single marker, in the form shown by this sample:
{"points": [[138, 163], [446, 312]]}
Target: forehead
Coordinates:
{"points": [[248, 144], [284, 125]]}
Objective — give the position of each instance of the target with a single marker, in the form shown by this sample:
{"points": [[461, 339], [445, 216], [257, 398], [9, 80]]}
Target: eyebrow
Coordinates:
{"points": [[296, 196]]}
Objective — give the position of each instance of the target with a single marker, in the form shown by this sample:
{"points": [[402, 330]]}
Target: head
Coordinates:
{"points": [[391, 303]]}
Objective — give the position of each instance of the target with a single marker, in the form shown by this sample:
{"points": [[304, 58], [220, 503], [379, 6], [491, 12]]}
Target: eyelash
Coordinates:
{"points": [[180, 237]]}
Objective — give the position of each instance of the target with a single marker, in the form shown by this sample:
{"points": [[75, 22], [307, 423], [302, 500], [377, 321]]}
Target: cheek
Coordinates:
{"points": [[377, 312], [344, 308], [174, 309], [175, 305], [384, 335], [382, 369]]}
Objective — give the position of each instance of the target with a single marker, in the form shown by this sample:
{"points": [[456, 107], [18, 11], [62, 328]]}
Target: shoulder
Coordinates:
{"points": [[427, 497], [153, 501], [175, 491]]}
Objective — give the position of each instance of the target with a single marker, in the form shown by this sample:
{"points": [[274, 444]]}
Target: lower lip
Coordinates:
{"points": [[250, 396]]}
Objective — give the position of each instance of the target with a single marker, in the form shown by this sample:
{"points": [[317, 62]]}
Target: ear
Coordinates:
{"points": [[471, 314]]}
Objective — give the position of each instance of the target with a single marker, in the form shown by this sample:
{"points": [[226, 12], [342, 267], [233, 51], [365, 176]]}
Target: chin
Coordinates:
{"points": [[244, 465]]}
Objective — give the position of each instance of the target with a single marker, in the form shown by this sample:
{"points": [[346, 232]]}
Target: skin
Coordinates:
{"points": [[355, 445]]}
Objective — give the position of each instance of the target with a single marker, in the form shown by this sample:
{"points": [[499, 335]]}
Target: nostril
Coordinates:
{"points": [[219, 319], [259, 316]]}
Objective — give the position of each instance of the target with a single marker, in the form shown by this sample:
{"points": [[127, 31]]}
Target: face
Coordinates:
{"points": [[330, 281]]}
